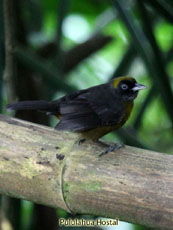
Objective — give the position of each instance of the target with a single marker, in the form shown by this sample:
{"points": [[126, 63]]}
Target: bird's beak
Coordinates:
{"points": [[138, 87]]}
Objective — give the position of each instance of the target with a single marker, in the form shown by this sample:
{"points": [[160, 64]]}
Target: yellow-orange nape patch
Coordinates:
{"points": [[117, 80]]}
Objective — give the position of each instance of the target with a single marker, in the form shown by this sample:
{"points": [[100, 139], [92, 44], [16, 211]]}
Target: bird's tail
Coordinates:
{"points": [[34, 105]]}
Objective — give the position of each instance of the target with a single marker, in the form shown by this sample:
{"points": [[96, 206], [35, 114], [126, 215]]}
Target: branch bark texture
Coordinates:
{"points": [[45, 166]]}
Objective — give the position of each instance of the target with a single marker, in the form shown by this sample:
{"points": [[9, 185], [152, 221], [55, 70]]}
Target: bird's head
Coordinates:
{"points": [[127, 87]]}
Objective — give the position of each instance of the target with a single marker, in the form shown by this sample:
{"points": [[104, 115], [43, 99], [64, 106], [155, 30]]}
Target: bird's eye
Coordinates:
{"points": [[124, 86]]}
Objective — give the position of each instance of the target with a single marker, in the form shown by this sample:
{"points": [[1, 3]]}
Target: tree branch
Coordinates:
{"points": [[78, 53], [45, 166], [82, 51]]}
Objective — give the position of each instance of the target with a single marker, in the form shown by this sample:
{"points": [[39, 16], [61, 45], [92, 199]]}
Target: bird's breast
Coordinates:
{"points": [[127, 112]]}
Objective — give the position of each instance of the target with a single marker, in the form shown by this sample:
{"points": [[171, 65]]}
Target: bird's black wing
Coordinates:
{"points": [[89, 109], [77, 115]]}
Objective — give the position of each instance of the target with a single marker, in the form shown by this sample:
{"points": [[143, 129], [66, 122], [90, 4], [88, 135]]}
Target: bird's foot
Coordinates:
{"points": [[111, 148], [80, 141]]}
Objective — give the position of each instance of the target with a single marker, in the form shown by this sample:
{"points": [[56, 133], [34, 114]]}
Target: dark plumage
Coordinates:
{"points": [[104, 107]]}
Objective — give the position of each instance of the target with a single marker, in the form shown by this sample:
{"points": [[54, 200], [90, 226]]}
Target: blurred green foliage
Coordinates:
{"points": [[53, 28]]}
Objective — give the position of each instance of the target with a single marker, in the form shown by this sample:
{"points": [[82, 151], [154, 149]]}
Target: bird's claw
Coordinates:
{"points": [[112, 148]]}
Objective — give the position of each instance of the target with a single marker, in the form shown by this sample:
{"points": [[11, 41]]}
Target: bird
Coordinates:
{"points": [[94, 111]]}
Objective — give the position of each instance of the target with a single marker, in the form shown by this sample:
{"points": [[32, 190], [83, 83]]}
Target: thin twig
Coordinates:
{"points": [[35, 63], [10, 64], [1, 51], [61, 13], [126, 62]]}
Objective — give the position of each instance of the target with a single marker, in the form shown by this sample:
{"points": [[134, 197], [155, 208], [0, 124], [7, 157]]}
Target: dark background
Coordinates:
{"points": [[61, 46]]}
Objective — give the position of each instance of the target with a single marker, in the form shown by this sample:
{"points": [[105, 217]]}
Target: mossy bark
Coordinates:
{"points": [[45, 166]]}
